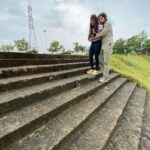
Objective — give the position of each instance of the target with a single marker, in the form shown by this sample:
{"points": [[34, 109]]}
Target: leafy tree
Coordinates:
{"points": [[146, 46], [62, 49], [55, 47], [83, 49], [79, 48], [76, 47], [119, 46], [22, 45], [7, 48], [142, 37], [135, 43]]}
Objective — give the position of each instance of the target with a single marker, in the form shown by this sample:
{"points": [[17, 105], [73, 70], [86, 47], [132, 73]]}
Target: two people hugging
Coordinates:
{"points": [[101, 38]]}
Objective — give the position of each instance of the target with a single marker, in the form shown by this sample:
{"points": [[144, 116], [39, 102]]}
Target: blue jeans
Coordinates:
{"points": [[95, 50]]}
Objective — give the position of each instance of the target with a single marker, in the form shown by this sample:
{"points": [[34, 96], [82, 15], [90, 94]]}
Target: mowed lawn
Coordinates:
{"points": [[136, 68]]}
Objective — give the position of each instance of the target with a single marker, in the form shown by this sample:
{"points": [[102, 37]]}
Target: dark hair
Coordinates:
{"points": [[104, 15], [94, 17]]}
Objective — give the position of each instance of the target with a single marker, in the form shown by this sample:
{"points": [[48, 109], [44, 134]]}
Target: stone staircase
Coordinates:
{"points": [[48, 102]]}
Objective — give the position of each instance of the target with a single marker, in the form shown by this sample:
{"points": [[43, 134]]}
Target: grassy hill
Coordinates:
{"points": [[136, 68]]}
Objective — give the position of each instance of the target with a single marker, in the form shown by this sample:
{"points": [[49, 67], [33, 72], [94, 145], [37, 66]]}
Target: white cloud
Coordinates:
{"points": [[3, 18], [68, 20]]}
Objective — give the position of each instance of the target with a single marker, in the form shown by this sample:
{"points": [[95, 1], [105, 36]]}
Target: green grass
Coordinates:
{"points": [[136, 68]]}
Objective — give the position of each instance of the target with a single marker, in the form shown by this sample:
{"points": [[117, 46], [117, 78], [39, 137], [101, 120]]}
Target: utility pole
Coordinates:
{"points": [[32, 35], [45, 38]]}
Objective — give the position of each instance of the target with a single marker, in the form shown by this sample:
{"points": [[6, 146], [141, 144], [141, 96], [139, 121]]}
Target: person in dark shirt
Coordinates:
{"points": [[95, 45]]}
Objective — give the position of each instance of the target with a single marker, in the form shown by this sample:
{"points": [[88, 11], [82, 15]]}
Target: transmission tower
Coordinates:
{"points": [[32, 35], [45, 39]]}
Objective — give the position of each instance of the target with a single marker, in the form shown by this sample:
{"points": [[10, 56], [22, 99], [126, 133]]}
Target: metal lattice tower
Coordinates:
{"points": [[32, 35]]}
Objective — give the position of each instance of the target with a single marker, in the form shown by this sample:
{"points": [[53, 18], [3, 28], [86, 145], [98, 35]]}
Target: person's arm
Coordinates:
{"points": [[107, 28], [89, 36]]}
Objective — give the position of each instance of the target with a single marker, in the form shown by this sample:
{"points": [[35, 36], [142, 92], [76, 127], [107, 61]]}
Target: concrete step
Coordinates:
{"points": [[17, 124], [145, 136], [34, 69], [30, 80], [16, 55], [24, 62], [96, 132], [66, 123], [128, 131], [15, 99]]}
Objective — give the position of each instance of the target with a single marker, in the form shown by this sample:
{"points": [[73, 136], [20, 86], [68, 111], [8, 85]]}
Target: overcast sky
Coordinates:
{"points": [[68, 20]]}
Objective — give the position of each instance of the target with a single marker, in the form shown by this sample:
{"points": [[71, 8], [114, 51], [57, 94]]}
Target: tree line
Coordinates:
{"points": [[137, 44], [55, 47]]}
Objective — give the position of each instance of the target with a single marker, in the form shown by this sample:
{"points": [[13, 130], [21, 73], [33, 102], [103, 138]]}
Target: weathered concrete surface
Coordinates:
{"points": [[23, 62], [16, 55], [52, 135], [145, 137], [30, 118], [50, 103], [30, 80], [22, 59], [127, 134], [18, 98], [95, 134], [34, 69]]}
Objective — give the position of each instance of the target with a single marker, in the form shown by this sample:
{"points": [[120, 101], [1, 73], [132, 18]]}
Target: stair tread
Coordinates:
{"points": [[39, 75], [25, 62], [36, 66], [145, 137], [43, 59], [54, 131], [97, 132], [14, 120], [8, 96], [128, 131], [39, 55]]}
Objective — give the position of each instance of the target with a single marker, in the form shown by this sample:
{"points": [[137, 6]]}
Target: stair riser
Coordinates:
{"points": [[118, 121], [76, 131], [36, 81], [35, 124], [144, 142], [41, 69], [15, 62], [6, 55], [23, 101]]}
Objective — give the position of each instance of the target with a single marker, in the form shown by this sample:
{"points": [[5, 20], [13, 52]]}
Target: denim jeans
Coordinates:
{"points": [[95, 51]]}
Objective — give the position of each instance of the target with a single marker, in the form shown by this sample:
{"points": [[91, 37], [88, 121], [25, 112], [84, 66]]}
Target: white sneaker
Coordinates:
{"points": [[90, 71], [95, 72], [104, 79]]}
